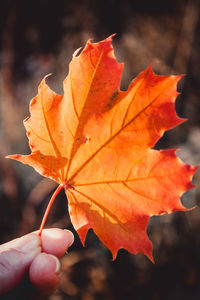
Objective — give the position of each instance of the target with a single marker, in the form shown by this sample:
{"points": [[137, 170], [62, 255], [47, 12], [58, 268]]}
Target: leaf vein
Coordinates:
{"points": [[140, 194], [110, 139], [54, 146], [104, 209], [39, 137], [83, 108]]}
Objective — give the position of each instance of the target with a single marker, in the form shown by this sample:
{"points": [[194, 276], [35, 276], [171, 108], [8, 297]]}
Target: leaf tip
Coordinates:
{"points": [[14, 156], [110, 38], [76, 52], [150, 256], [82, 232], [43, 82]]}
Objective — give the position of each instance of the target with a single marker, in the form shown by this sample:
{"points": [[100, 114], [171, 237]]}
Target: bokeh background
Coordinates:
{"points": [[39, 37]]}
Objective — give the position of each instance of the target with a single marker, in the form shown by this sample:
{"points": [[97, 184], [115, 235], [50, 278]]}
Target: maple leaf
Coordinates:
{"points": [[96, 141]]}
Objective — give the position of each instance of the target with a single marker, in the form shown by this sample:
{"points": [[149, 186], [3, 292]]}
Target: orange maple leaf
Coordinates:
{"points": [[96, 141]]}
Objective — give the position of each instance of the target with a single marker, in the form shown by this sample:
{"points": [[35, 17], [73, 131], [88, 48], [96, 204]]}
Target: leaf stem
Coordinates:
{"points": [[53, 197]]}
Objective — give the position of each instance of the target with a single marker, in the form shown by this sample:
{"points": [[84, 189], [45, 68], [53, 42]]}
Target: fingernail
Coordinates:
{"points": [[72, 236], [57, 262]]}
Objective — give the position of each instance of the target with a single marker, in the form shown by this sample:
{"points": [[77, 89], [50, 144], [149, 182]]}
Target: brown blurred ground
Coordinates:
{"points": [[38, 37]]}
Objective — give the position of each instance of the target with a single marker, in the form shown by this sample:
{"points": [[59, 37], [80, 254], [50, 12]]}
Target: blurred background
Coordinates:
{"points": [[39, 37]]}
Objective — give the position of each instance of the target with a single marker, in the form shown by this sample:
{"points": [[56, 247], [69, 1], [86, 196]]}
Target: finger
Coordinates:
{"points": [[15, 258], [44, 273], [56, 241], [21, 242]]}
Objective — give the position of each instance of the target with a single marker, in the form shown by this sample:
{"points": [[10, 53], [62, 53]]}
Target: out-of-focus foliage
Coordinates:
{"points": [[36, 38]]}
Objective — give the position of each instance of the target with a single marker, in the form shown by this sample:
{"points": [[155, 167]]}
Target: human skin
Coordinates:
{"points": [[33, 261]]}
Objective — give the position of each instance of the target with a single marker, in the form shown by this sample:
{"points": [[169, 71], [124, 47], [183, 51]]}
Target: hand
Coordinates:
{"points": [[31, 262]]}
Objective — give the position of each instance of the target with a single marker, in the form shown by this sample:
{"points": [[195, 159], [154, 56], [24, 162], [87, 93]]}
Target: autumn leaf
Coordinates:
{"points": [[96, 141]]}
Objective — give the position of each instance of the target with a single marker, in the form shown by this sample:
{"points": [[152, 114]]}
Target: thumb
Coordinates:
{"points": [[15, 259]]}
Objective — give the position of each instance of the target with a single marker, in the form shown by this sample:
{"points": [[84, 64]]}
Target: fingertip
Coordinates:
{"points": [[44, 273], [56, 241]]}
